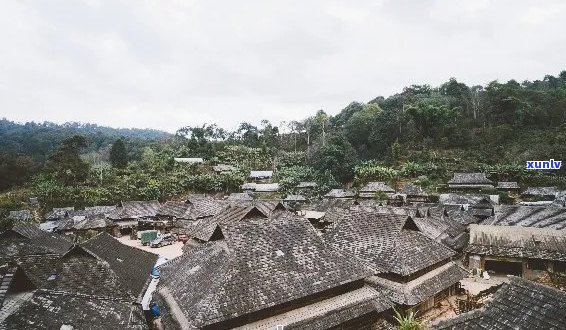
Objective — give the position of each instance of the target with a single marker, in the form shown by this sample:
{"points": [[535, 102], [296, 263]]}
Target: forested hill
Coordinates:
{"points": [[40, 139], [422, 134]]}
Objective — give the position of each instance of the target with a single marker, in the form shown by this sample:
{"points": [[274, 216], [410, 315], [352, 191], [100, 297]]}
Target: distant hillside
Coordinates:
{"points": [[40, 139]]}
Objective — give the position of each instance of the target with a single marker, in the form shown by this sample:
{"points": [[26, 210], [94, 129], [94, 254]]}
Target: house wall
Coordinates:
{"points": [[527, 271]]}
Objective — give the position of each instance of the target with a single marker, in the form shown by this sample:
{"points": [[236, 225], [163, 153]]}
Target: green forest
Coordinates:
{"points": [[421, 134]]}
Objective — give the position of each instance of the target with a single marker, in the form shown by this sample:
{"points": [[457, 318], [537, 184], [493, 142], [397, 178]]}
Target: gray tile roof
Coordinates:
{"points": [[256, 267], [27, 230], [176, 209], [373, 187], [261, 174], [507, 185], [413, 190], [541, 191], [140, 209], [20, 215], [518, 305], [328, 313], [421, 288], [528, 216], [59, 213], [470, 179], [239, 197], [520, 242], [330, 203], [379, 240], [131, 265], [50, 310], [466, 199], [340, 193]]}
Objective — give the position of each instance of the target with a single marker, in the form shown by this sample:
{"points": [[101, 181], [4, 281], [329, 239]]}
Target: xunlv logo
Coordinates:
{"points": [[544, 164]]}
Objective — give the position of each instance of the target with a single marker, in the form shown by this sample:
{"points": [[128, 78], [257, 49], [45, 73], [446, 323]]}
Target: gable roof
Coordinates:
{"points": [[50, 310], [521, 242], [261, 174], [541, 191], [466, 199], [528, 216], [239, 196], [507, 185], [266, 187], [470, 178], [377, 187], [131, 265], [340, 193], [255, 268], [78, 271], [59, 212], [140, 209], [421, 288], [176, 209], [27, 230], [413, 190], [517, 305], [20, 215], [380, 241]]}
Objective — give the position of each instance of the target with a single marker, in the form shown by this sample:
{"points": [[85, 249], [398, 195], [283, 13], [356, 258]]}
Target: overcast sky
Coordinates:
{"points": [[169, 63]]}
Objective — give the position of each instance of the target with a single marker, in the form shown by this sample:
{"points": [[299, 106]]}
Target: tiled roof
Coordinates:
{"points": [[520, 242], [176, 209], [78, 271], [517, 305], [379, 240], [27, 230], [327, 313], [470, 178], [528, 216], [413, 190], [59, 213], [541, 191], [256, 267], [20, 215], [261, 174], [49, 310], [507, 185], [340, 193], [331, 203], [266, 187], [141, 209], [206, 207], [465, 199], [377, 187], [443, 229], [239, 197], [131, 265], [421, 288]]}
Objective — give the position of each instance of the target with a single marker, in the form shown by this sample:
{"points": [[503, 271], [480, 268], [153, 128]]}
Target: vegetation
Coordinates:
{"points": [[408, 321], [421, 134]]}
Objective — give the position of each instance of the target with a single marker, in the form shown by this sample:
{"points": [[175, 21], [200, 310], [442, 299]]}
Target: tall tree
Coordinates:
{"points": [[118, 154], [66, 164]]}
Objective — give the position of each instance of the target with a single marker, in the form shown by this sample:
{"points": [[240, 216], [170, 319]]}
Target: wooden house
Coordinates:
{"points": [[277, 274], [514, 250], [413, 278]]}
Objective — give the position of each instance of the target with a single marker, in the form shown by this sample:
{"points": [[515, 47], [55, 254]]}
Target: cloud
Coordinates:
{"points": [[171, 63]]}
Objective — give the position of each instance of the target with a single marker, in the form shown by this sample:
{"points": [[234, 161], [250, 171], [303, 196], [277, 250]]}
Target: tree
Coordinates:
{"points": [[118, 154], [66, 164]]}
